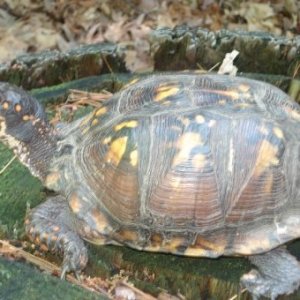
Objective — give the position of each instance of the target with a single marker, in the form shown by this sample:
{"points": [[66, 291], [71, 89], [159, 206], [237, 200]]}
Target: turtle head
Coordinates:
{"points": [[19, 111], [24, 128]]}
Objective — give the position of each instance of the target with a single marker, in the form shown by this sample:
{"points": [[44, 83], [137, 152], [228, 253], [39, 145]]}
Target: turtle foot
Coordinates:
{"points": [[277, 273], [50, 226]]}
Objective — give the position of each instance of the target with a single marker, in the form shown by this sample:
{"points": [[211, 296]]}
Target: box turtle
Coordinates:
{"points": [[189, 164]]}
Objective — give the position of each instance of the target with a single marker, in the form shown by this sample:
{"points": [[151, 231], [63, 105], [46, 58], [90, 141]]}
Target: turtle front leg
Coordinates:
{"points": [[277, 273], [51, 225]]}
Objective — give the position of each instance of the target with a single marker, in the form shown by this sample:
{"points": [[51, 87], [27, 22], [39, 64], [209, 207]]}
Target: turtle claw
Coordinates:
{"points": [[51, 224], [75, 257], [65, 269], [256, 284]]}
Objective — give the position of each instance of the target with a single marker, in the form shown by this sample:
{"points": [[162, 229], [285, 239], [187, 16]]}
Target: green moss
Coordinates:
{"points": [[20, 281], [17, 188]]}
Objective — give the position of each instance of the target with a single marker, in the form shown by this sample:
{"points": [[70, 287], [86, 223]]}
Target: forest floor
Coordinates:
{"points": [[34, 26]]}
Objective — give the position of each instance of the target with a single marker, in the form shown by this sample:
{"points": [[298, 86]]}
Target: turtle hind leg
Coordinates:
{"points": [[51, 226], [277, 273]]}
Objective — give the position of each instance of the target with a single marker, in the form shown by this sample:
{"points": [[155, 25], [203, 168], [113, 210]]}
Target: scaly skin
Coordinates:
{"points": [[51, 225]]}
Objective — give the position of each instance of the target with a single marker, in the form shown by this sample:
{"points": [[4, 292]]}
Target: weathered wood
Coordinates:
{"points": [[52, 67], [191, 48]]}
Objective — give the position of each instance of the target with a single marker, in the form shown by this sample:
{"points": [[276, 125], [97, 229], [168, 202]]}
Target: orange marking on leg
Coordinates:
{"points": [[75, 203], [100, 221]]}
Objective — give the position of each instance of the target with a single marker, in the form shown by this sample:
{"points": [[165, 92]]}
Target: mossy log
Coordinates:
{"points": [[259, 52], [52, 67], [177, 49]]}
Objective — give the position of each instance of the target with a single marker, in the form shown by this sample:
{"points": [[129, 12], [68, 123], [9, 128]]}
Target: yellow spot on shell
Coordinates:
{"points": [[243, 105], [269, 185], [128, 235], [278, 132], [107, 140], [85, 130], [101, 111], [186, 143], [173, 244], [75, 203], [134, 158], [233, 94], [199, 161], [156, 239], [86, 119], [244, 88], [130, 83], [175, 182], [203, 247], [130, 124], [254, 244], [26, 118], [95, 122], [200, 119], [266, 157], [116, 150], [195, 252], [165, 91]]}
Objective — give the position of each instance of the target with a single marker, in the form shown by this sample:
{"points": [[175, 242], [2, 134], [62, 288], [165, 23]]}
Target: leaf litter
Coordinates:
{"points": [[32, 26]]}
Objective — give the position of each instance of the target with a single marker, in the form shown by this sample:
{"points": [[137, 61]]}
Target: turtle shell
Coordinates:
{"points": [[198, 165]]}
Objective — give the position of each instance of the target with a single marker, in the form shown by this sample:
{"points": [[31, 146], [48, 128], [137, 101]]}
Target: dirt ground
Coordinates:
{"points": [[35, 25]]}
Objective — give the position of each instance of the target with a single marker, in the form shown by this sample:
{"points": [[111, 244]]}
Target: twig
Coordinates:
{"points": [[214, 67], [8, 164], [108, 65], [236, 295], [296, 70]]}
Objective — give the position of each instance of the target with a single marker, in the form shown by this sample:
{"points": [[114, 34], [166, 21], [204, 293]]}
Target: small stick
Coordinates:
{"points": [[7, 165], [236, 295]]}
